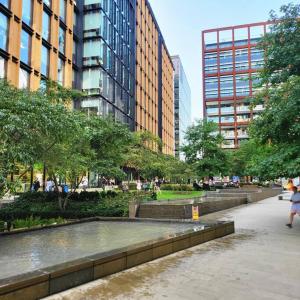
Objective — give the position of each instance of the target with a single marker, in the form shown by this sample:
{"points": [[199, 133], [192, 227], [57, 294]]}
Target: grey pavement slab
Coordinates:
{"points": [[260, 261]]}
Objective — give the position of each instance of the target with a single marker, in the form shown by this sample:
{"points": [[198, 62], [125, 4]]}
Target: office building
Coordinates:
{"points": [[108, 60], [182, 105], [36, 41], [154, 106], [231, 61], [113, 50]]}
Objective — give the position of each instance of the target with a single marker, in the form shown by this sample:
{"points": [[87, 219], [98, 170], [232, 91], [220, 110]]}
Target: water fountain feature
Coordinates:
{"points": [[47, 261]]}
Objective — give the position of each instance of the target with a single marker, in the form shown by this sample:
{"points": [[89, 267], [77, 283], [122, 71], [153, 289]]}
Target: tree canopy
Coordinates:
{"points": [[277, 129], [203, 149]]}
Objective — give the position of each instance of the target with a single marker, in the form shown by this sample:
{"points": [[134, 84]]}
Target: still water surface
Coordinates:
{"points": [[26, 252]]}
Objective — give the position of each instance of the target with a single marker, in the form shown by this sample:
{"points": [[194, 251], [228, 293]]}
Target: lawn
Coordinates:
{"points": [[173, 195]]}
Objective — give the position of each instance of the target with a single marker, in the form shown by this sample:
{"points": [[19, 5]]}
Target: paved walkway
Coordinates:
{"points": [[260, 261]]}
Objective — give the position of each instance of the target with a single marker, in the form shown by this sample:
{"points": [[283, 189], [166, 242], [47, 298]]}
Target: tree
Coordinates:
{"points": [[203, 149], [30, 126], [278, 127], [281, 46], [178, 171], [111, 141], [144, 155]]}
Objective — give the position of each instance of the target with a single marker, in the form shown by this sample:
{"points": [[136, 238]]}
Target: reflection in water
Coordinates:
{"points": [[30, 251]]}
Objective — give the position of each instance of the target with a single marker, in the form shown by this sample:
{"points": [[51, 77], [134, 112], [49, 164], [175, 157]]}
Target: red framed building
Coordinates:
{"points": [[231, 61]]}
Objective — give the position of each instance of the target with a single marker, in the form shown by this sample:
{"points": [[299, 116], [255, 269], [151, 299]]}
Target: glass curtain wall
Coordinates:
{"points": [[109, 58]]}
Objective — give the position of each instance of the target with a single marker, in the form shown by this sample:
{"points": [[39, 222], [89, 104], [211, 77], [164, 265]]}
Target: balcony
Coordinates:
{"points": [[258, 108], [212, 112], [227, 111], [242, 109], [230, 146], [243, 135], [228, 136], [243, 120]]}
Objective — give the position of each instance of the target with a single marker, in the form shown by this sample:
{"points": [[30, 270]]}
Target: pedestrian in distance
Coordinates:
{"points": [[295, 209], [49, 185], [85, 183], [36, 185], [138, 186]]}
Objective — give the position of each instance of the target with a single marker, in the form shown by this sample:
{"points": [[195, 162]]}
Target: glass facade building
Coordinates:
{"points": [[108, 64], [182, 105], [231, 61]]}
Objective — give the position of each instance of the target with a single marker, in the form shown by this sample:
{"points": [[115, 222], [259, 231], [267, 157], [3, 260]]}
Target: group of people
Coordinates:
{"points": [[148, 186], [49, 186]]}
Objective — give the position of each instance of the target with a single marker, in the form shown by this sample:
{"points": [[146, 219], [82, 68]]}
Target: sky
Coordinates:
{"points": [[181, 23]]}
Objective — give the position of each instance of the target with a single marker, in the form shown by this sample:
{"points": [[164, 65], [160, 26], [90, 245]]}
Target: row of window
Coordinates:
{"points": [[230, 119], [227, 56], [100, 107], [240, 60]]}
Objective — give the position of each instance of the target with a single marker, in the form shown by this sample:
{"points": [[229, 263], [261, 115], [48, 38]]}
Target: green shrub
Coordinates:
{"points": [[113, 205], [176, 187]]}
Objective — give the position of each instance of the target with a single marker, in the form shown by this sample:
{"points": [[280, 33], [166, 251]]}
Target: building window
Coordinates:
{"points": [[61, 71], [62, 10], [3, 31], [5, 2], [2, 67], [93, 24], [75, 45], [45, 61], [27, 11], [23, 79], [25, 47], [46, 26], [74, 78], [48, 3], [75, 20], [61, 39]]}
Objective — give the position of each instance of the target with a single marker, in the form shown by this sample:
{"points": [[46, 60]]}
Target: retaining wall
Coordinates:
{"points": [[212, 202], [206, 206]]}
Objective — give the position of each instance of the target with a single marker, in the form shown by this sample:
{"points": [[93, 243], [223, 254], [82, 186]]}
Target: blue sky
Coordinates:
{"points": [[181, 23]]}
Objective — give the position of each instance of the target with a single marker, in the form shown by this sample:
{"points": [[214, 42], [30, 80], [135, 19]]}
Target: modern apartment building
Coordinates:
{"points": [[111, 49], [182, 102], [231, 61]]}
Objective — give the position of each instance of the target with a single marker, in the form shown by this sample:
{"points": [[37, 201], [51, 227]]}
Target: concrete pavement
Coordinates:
{"points": [[260, 261]]}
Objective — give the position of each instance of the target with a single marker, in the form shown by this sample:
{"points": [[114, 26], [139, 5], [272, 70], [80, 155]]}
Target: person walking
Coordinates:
{"points": [[85, 183], [36, 185], [138, 186], [49, 185], [295, 209]]}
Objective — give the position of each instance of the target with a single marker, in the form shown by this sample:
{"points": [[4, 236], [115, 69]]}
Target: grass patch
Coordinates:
{"points": [[175, 195]]}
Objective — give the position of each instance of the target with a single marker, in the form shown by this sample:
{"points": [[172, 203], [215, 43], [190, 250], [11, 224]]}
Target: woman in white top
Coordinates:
{"points": [[295, 209]]}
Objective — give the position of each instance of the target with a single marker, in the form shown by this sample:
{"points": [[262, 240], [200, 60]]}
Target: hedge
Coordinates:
{"points": [[112, 205]]}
